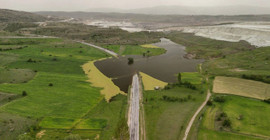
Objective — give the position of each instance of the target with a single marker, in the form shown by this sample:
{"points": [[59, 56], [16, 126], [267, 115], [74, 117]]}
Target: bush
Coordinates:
{"points": [[50, 84], [209, 103], [24, 93], [227, 123], [219, 99]]}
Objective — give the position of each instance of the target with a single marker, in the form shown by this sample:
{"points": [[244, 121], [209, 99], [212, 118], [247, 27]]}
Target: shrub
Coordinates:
{"points": [[24, 93], [50, 84], [220, 99]]}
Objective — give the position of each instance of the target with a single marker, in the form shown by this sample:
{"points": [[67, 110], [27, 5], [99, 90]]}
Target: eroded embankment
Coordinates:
{"points": [[98, 79]]}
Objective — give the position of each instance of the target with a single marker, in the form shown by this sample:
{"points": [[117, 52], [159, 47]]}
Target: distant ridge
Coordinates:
{"points": [[19, 16], [187, 10]]}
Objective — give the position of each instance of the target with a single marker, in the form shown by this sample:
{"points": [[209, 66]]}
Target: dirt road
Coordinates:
{"points": [[100, 48], [134, 109], [196, 114]]}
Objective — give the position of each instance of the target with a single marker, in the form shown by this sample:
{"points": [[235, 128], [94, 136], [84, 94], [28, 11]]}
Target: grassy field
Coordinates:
{"points": [[98, 79], [149, 83], [255, 62], [167, 119], [192, 77], [241, 87], [135, 50], [58, 96], [249, 119]]}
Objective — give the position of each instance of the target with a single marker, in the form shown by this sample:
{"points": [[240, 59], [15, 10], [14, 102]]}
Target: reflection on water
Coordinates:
{"points": [[163, 67]]}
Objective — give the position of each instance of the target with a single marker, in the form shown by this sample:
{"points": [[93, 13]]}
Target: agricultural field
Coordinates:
{"points": [[51, 91], [241, 87], [248, 119], [167, 112]]}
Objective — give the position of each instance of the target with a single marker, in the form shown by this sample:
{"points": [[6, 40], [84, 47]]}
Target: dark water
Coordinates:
{"points": [[163, 67]]}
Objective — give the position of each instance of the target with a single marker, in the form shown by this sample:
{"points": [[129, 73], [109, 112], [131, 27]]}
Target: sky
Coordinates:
{"points": [[83, 5]]}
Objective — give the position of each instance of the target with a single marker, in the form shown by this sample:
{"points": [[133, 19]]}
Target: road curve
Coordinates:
{"points": [[100, 48], [196, 114], [134, 109]]}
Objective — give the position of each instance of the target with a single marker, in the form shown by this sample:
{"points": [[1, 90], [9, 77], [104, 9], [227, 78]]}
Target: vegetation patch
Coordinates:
{"points": [[253, 65], [206, 48], [98, 79], [241, 87], [150, 83]]}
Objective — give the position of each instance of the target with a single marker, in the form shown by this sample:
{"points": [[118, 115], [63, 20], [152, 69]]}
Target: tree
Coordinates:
{"points": [[130, 60], [50, 84], [179, 78]]}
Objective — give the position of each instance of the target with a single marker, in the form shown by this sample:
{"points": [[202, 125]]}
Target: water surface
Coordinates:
{"points": [[163, 67]]}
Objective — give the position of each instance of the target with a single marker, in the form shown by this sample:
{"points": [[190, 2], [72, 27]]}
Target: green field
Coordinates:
{"points": [[254, 64], [249, 119], [192, 77], [167, 119], [58, 94]]}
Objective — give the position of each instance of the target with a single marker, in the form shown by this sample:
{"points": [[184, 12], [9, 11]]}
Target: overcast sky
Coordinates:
{"points": [[82, 5]]}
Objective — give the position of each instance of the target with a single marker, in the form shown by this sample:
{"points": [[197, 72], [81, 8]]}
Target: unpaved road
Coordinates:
{"points": [[196, 114], [134, 109], [11, 37], [100, 48]]}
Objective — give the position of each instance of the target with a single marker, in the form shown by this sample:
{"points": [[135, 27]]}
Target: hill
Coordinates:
{"points": [[19, 16]]}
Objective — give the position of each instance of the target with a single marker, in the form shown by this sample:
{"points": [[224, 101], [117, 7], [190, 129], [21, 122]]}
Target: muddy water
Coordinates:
{"points": [[163, 67]]}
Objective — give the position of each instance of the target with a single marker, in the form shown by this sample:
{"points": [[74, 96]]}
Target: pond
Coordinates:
{"points": [[164, 67]]}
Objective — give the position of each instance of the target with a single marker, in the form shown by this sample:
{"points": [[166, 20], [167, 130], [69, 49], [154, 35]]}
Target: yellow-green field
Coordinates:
{"points": [[150, 83], [98, 79], [149, 46], [241, 87]]}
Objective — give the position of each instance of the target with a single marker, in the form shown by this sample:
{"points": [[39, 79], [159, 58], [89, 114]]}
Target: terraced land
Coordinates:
{"points": [[56, 99]]}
